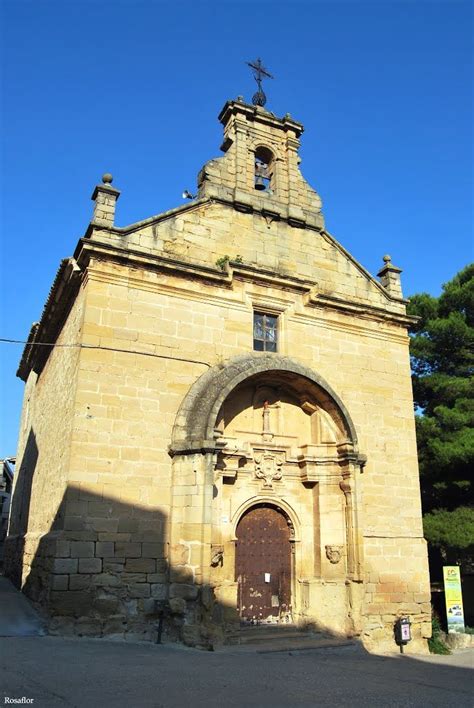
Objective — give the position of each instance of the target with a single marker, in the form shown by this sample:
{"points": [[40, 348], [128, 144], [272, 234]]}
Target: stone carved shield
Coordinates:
{"points": [[268, 467], [334, 553]]}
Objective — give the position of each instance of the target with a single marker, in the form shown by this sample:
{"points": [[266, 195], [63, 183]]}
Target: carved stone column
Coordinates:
{"points": [[352, 511]]}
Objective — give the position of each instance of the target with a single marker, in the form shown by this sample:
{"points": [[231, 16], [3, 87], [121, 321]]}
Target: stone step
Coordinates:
{"points": [[303, 645], [265, 634], [287, 644], [271, 636], [270, 627]]}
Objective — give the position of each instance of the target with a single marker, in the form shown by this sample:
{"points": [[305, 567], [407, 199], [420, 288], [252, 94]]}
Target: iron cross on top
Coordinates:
{"points": [[259, 71]]}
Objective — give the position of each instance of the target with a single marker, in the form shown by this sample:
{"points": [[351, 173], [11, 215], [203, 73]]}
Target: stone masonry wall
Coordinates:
{"points": [[43, 457], [125, 409], [113, 575]]}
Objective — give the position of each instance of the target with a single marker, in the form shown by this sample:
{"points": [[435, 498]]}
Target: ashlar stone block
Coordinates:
{"points": [[90, 565], [65, 565], [140, 565], [82, 549]]}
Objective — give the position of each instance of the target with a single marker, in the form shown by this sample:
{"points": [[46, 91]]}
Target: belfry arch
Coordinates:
{"points": [[266, 432]]}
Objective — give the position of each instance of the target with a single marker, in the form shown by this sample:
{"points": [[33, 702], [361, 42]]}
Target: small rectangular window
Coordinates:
{"points": [[265, 332]]}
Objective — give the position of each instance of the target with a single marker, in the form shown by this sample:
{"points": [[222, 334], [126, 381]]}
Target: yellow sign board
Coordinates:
{"points": [[453, 597]]}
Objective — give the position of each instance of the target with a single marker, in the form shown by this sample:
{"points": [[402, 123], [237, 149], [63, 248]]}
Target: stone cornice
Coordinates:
{"points": [[137, 225], [362, 327], [106, 189], [333, 241], [257, 113], [234, 270], [352, 307], [231, 270], [265, 212], [238, 271], [101, 250], [244, 271], [71, 273], [240, 201], [60, 300]]}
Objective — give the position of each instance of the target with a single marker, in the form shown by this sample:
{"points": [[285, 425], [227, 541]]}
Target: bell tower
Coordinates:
{"points": [[260, 168]]}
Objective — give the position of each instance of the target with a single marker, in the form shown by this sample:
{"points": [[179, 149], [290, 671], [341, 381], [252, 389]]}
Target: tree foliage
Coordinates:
{"points": [[442, 355], [450, 529]]}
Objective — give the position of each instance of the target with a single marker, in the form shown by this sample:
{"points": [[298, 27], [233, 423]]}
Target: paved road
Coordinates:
{"points": [[97, 673], [17, 616]]}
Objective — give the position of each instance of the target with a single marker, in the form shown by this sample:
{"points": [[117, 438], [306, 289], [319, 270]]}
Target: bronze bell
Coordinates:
{"points": [[260, 183]]}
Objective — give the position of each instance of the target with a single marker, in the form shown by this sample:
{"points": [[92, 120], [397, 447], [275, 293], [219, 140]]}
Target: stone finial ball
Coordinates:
{"points": [[107, 178], [387, 259]]}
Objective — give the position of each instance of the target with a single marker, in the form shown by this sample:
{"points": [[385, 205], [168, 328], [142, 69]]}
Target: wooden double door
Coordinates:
{"points": [[263, 564]]}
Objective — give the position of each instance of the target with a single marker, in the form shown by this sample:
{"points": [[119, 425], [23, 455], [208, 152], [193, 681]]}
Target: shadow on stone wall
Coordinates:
{"points": [[106, 568], [103, 569], [20, 511]]}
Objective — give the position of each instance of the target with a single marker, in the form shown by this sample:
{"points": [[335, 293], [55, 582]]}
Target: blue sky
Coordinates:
{"points": [[384, 90]]}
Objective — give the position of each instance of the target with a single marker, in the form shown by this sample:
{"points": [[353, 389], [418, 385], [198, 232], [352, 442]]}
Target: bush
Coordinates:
{"points": [[436, 644]]}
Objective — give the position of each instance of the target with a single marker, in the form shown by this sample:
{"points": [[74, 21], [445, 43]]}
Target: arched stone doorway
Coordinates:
{"points": [[263, 565], [264, 429]]}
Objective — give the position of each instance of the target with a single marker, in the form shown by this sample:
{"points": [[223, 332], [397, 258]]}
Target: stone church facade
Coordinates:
{"points": [[231, 438]]}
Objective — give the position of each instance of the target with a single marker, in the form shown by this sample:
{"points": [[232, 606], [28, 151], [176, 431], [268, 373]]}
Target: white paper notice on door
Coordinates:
{"points": [[267, 577]]}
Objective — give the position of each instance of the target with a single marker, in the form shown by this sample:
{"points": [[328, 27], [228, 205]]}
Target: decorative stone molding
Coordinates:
{"points": [[314, 463], [334, 553], [291, 529], [230, 458], [60, 300]]}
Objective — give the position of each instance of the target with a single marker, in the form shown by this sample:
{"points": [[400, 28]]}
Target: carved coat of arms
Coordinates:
{"points": [[268, 467], [334, 553]]}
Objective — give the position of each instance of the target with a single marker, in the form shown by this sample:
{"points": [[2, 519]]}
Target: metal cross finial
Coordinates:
{"points": [[259, 71]]}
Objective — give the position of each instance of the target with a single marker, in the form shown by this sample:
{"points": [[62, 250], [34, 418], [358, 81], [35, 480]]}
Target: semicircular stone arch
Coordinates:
{"points": [[278, 504], [194, 429]]}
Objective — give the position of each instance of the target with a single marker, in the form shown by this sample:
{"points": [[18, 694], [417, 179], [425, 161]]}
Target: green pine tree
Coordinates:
{"points": [[442, 354]]}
